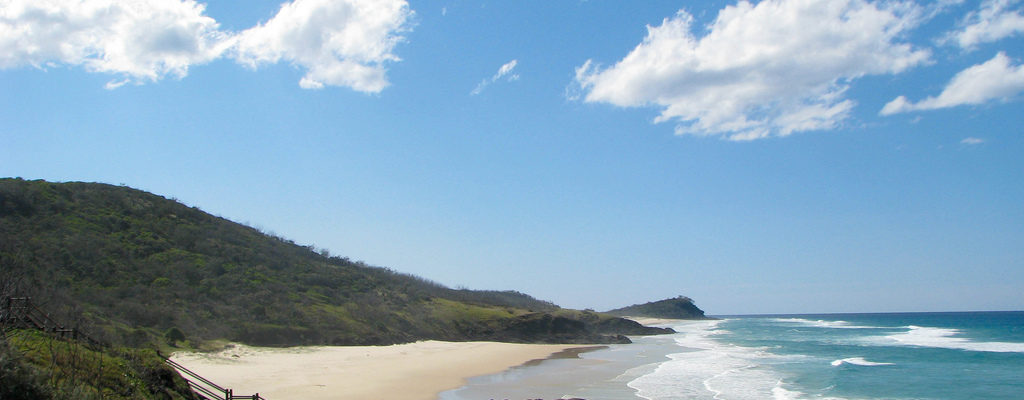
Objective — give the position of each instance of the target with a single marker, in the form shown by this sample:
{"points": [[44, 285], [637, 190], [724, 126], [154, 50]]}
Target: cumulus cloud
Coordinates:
{"points": [[993, 21], [339, 43], [770, 69], [503, 72], [141, 40], [995, 79]]}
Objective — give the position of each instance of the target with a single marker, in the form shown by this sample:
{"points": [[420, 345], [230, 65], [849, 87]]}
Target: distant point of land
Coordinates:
{"points": [[681, 307]]}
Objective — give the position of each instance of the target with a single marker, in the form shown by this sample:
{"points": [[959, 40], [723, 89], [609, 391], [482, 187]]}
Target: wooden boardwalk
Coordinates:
{"points": [[205, 388]]}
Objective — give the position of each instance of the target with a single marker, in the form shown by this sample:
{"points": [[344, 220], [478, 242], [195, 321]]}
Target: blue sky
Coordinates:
{"points": [[778, 156]]}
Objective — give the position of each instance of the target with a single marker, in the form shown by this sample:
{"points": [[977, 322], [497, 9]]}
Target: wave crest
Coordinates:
{"points": [[858, 361], [945, 338], [820, 323]]}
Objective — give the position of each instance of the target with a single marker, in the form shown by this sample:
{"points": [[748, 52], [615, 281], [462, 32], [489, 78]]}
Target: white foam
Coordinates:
{"points": [[820, 323], [713, 370], [858, 361], [945, 338], [780, 393]]}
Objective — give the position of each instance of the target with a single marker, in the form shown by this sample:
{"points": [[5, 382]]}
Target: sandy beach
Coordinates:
{"points": [[414, 371]]}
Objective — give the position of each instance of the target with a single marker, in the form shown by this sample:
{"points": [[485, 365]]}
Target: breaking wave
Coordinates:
{"points": [[709, 369], [819, 323], [858, 361], [946, 338]]}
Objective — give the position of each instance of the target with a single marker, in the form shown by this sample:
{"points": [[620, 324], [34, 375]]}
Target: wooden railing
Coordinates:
{"points": [[21, 313], [206, 388]]}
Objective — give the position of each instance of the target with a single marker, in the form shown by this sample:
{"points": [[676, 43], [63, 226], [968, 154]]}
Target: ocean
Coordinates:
{"points": [[962, 355]]}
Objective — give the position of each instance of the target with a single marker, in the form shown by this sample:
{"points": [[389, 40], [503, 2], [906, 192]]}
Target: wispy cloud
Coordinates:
{"points": [[993, 21], [339, 43], [972, 141], [995, 79], [504, 72], [770, 69]]}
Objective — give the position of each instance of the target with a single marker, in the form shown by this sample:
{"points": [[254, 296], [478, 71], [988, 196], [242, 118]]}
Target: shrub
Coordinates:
{"points": [[174, 335]]}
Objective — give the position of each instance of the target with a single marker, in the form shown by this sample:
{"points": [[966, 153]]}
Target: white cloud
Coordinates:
{"points": [[972, 140], [142, 40], [339, 43], [994, 79], [770, 69], [504, 71], [993, 21]]}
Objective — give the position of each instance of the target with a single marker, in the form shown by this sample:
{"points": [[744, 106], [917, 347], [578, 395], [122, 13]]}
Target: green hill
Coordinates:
{"points": [[678, 308], [134, 268]]}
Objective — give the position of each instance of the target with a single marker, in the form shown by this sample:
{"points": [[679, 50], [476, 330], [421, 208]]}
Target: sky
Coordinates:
{"points": [[775, 156]]}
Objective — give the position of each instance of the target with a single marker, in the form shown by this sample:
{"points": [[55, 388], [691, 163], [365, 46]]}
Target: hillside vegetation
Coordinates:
{"points": [[681, 307], [36, 366], [135, 268]]}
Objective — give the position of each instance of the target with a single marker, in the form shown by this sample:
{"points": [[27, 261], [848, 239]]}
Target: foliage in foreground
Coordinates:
{"points": [[34, 365]]}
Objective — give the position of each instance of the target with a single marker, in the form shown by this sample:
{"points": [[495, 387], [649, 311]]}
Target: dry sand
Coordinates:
{"points": [[414, 371]]}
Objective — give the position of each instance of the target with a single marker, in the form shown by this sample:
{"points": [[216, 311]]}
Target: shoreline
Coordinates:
{"points": [[411, 371]]}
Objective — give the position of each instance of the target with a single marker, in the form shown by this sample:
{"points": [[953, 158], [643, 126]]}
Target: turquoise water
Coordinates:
{"points": [[834, 356]]}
